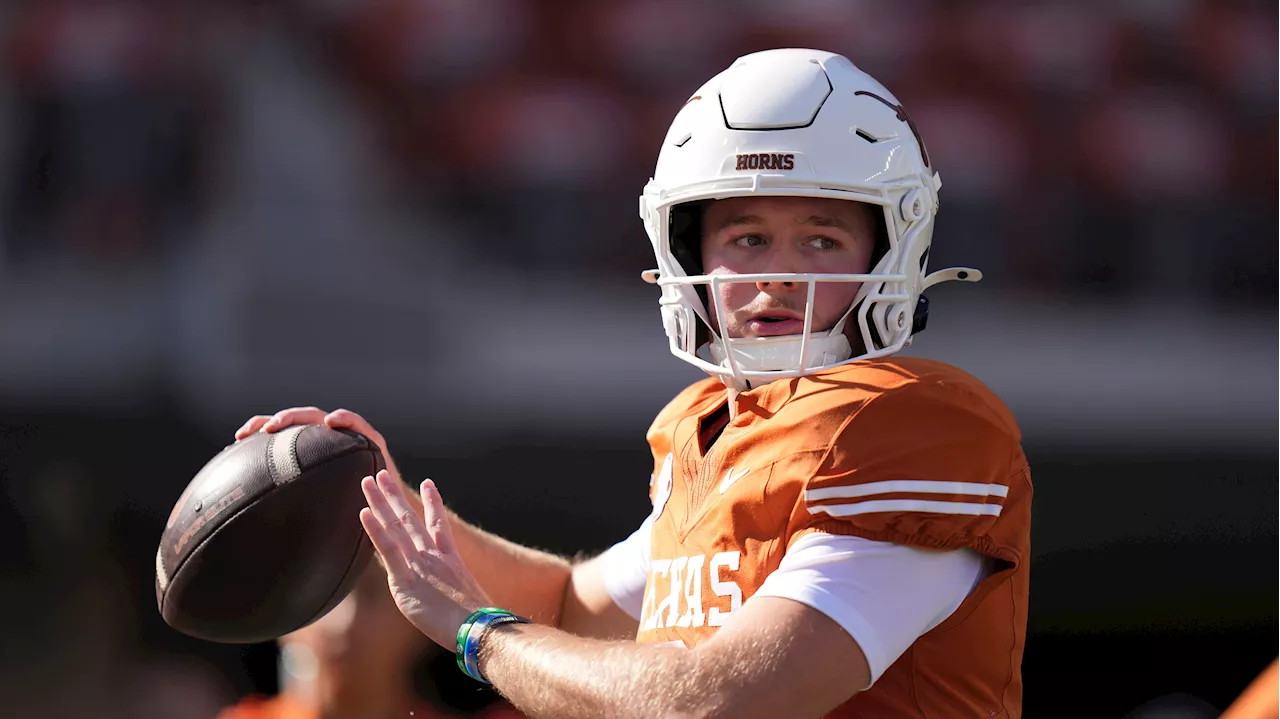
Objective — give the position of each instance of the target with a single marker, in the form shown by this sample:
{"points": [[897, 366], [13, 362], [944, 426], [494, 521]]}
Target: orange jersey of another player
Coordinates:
{"points": [[900, 450], [288, 707]]}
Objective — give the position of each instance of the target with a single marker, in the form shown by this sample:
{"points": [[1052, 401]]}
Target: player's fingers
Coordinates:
{"points": [[406, 509], [388, 550], [294, 415], [253, 425], [386, 517], [347, 419], [395, 513], [437, 520]]}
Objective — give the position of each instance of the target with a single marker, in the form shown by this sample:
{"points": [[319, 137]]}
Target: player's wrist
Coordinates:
{"points": [[473, 631]]}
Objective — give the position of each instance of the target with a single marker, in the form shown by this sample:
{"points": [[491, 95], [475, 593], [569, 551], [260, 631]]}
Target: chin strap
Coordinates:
{"points": [[764, 354]]}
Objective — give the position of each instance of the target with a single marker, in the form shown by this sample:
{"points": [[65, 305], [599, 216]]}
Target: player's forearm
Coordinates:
{"points": [[523, 580], [549, 673]]}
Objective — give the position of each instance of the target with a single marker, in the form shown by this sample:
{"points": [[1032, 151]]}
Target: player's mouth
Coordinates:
{"points": [[775, 323]]}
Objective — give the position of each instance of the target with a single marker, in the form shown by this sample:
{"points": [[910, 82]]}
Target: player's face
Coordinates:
{"points": [[744, 235]]}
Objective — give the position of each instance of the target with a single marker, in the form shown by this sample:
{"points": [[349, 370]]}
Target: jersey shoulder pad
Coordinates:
{"points": [[932, 460]]}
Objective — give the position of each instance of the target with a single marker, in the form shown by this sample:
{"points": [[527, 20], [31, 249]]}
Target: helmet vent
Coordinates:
{"points": [[866, 136]]}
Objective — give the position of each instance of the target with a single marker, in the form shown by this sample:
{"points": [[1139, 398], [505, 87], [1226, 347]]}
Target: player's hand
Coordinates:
{"points": [[426, 575], [337, 419]]}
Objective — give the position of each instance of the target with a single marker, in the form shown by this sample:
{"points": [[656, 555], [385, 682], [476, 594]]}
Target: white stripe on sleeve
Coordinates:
{"points": [[993, 492], [904, 505], [923, 486]]}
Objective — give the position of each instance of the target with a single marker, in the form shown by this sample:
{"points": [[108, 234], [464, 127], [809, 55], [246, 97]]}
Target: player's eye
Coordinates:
{"points": [[822, 243], [750, 241]]}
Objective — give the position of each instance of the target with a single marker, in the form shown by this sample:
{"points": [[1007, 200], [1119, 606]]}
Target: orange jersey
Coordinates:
{"points": [[277, 707], [901, 450]]}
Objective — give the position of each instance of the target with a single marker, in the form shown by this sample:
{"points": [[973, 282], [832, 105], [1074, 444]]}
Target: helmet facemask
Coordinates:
{"points": [[750, 361]]}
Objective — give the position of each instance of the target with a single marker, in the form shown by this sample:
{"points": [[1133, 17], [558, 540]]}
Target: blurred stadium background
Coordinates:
{"points": [[425, 210]]}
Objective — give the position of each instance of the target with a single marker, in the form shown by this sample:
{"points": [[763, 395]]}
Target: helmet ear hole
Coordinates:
{"points": [[911, 206]]}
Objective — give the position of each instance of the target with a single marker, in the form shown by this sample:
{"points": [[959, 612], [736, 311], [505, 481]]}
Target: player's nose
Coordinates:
{"points": [[782, 259], [774, 286]]}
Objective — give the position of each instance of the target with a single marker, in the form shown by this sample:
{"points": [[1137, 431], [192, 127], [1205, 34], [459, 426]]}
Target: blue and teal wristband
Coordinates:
{"points": [[467, 647]]}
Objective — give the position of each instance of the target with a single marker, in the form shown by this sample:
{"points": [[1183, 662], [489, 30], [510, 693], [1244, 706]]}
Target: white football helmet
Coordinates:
{"points": [[793, 123]]}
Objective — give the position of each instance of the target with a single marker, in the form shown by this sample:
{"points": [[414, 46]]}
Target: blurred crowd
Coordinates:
{"points": [[1098, 148], [1086, 147]]}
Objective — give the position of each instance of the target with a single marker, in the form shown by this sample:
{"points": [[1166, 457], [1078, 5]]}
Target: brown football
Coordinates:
{"points": [[267, 538]]}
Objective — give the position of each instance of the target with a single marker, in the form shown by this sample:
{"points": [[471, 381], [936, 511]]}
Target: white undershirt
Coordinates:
{"points": [[884, 595]]}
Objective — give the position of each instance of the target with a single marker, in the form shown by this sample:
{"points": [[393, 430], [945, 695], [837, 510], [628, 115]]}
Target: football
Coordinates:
{"points": [[267, 538]]}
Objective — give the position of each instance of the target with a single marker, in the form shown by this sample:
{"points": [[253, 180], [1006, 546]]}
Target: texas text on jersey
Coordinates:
{"points": [[908, 451]]}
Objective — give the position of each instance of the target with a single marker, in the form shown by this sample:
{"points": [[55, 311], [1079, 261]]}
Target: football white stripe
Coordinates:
{"points": [[904, 505], [923, 486]]}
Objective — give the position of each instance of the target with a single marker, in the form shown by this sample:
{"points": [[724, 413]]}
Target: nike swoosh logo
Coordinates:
{"points": [[730, 478]]}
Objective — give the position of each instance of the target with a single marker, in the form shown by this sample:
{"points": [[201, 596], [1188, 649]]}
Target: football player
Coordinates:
{"points": [[356, 662], [834, 531]]}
